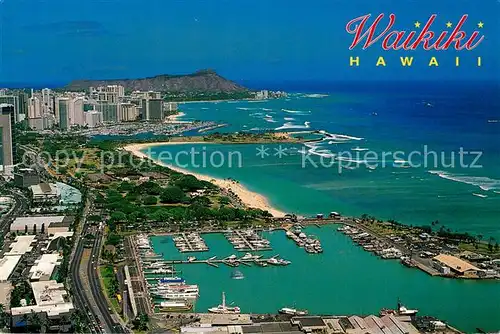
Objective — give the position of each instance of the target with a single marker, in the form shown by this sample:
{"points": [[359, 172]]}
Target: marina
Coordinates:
{"points": [[310, 244], [191, 242], [233, 261], [247, 240], [266, 291]]}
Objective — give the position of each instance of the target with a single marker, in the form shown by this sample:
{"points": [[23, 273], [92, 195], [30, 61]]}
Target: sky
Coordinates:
{"points": [[56, 41]]}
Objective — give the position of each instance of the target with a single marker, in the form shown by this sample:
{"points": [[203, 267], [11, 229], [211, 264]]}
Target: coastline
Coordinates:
{"points": [[249, 198]]}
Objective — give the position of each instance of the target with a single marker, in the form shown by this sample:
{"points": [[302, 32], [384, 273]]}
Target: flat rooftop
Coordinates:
{"points": [[225, 319], [7, 266], [21, 245], [455, 263], [50, 297], [5, 289], [45, 266], [44, 189], [20, 222]]}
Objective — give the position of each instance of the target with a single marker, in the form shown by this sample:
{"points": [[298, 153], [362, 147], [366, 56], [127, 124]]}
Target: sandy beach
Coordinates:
{"points": [[249, 198], [175, 118]]}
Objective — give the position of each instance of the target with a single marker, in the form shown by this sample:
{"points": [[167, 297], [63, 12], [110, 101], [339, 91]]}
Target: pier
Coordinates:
{"points": [[191, 242], [243, 241], [233, 261]]}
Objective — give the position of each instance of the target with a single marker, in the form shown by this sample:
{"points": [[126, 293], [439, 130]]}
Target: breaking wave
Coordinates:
{"points": [[299, 112], [483, 182], [290, 125]]}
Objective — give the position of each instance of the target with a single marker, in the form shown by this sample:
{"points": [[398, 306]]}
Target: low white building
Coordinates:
{"points": [[21, 245], [44, 267], [34, 225], [52, 304], [45, 193], [7, 266]]}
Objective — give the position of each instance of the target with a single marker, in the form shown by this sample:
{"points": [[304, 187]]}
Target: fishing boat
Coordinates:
{"points": [[176, 295], [237, 275], [223, 309], [261, 263], [176, 280], [174, 306], [292, 311]]}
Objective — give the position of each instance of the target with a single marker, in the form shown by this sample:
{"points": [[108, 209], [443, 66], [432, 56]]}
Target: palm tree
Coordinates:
{"points": [[4, 317]]}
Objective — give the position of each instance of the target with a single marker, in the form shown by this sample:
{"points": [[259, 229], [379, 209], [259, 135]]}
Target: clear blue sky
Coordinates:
{"points": [[45, 41]]}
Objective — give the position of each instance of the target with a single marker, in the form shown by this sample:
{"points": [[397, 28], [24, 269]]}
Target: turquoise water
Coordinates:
{"points": [[426, 118], [343, 280], [346, 279]]}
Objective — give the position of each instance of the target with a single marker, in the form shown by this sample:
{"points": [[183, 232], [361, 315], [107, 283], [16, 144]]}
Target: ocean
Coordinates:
{"points": [[383, 119], [376, 120]]}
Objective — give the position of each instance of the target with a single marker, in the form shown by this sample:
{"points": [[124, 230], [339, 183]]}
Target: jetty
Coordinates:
{"points": [[247, 240], [191, 242], [233, 261]]}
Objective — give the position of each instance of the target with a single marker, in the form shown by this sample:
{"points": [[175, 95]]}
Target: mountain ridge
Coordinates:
{"points": [[206, 80]]}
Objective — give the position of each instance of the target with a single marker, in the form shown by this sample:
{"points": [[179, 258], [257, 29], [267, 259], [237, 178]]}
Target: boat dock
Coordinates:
{"points": [[311, 245], [191, 242], [248, 240], [234, 261]]}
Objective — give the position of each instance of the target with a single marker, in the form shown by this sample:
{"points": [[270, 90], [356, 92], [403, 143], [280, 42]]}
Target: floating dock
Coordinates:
{"points": [[191, 242], [249, 240], [233, 261]]}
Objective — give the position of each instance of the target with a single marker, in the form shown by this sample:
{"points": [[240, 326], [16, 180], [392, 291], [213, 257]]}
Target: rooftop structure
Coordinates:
{"points": [[51, 302], [7, 266], [457, 265], [21, 246], [44, 267], [389, 324], [20, 224], [5, 289], [45, 193]]}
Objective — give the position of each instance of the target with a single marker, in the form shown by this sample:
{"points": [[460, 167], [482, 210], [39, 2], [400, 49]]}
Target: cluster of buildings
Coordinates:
{"points": [[34, 256], [46, 108], [386, 324]]}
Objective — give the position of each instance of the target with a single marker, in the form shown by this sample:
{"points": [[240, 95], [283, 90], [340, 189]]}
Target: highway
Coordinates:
{"points": [[96, 289], [95, 305]]}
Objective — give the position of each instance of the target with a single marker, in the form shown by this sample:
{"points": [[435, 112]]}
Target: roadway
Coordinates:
{"points": [[93, 302], [96, 288]]}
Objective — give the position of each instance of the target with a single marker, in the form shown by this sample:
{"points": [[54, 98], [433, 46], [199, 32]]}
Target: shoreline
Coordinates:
{"points": [[248, 197]]}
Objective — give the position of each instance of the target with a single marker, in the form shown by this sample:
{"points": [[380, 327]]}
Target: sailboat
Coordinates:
{"points": [[223, 309]]}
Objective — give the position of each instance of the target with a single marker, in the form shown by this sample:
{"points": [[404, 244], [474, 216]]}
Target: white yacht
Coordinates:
{"points": [[223, 309]]}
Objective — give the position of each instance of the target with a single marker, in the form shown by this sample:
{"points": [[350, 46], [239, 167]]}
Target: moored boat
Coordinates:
{"points": [[292, 311], [223, 309]]}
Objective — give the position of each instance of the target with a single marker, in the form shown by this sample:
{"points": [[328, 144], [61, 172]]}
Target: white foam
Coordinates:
{"points": [[290, 125], [246, 108], [483, 182], [296, 111], [270, 120], [266, 109], [359, 149], [289, 119], [480, 195], [316, 96], [336, 136], [204, 108]]}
